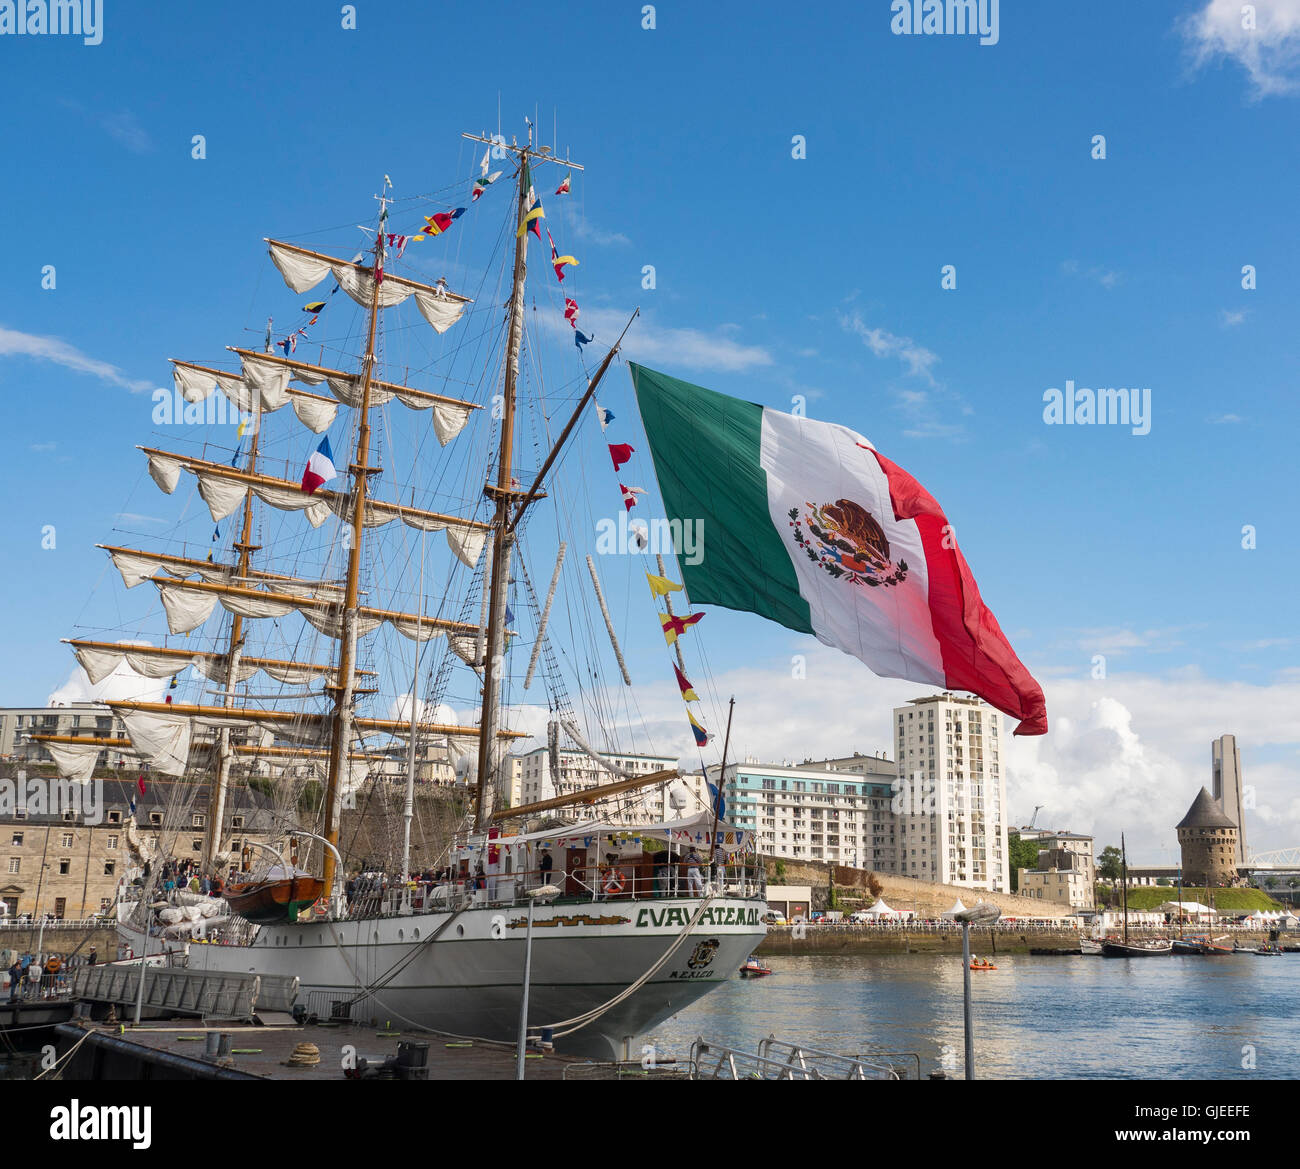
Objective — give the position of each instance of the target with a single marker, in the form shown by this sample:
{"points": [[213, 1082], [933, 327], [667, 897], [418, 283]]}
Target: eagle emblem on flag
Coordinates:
{"points": [[846, 540]]}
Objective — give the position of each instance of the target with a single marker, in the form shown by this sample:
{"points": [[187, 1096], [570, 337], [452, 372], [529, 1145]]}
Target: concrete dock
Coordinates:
{"points": [[175, 1051]]}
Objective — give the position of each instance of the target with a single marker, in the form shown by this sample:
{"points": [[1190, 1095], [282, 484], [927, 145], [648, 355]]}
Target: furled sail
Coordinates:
{"points": [[100, 658], [189, 604], [449, 414], [223, 488], [303, 269], [261, 384]]}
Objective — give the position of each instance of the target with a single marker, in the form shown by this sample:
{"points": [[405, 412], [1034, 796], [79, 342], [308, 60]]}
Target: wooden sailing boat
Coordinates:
{"points": [[621, 960], [1147, 948]]}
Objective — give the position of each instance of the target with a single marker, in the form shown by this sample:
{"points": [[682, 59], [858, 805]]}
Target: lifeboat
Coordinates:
{"points": [[274, 897], [981, 964]]}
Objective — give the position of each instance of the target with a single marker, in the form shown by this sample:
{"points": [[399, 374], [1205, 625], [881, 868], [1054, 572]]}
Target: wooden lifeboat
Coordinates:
{"points": [[270, 901]]}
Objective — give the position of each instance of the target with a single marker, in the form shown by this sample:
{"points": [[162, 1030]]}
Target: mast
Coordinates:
{"points": [[502, 493], [345, 684], [1123, 872], [408, 808], [217, 796], [503, 538]]}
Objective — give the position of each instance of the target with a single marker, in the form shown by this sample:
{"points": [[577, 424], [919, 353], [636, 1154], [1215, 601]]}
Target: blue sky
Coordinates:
{"points": [[775, 276]]}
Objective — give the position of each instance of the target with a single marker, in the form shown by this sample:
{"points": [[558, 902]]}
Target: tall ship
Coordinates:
{"points": [[365, 613]]}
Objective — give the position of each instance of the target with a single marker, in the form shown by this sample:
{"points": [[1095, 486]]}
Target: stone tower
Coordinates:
{"points": [[1208, 840], [1225, 760]]}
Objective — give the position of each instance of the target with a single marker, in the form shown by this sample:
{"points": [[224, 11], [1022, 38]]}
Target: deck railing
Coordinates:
{"points": [[605, 883]]}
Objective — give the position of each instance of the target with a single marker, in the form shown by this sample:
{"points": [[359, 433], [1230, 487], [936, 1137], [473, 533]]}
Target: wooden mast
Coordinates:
{"points": [[1123, 863], [503, 494], [340, 747], [217, 796], [502, 540]]}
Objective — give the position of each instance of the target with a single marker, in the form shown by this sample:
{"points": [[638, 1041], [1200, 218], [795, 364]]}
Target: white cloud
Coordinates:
{"points": [[16, 344], [918, 359], [1231, 318], [1106, 277], [649, 342], [124, 129], [1269, 51], [1126, 754], [1225, 419]]}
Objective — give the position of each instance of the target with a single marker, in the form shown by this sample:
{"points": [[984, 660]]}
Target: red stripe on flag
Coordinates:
{"points": [[976, 654]]}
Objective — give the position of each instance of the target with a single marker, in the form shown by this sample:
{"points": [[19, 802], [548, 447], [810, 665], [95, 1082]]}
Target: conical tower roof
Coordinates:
{"points": [[1205, 813]]}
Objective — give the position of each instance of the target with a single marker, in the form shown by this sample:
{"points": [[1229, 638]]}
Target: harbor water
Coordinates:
{"points": [[1222, 1018]]}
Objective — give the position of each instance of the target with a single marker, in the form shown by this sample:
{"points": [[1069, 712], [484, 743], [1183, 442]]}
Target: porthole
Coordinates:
{"points": [[401, 936], [460, 931], [417, 935]]}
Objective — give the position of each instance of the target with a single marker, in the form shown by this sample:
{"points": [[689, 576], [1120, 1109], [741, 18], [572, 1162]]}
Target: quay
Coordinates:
{"points": [[917, 938], [173, 1051]]}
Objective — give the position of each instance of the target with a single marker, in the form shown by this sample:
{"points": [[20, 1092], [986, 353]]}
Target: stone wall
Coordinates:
{"points": [[62, 940], [923, 897]]}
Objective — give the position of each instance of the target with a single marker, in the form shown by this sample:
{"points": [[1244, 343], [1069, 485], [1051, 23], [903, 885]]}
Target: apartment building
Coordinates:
{"points": [[952, 793]]}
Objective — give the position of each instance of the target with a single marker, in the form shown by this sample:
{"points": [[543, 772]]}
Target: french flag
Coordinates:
{"points": [[320, 467]]}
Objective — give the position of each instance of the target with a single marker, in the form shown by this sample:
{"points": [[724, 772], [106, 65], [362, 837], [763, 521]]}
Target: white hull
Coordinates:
{"points": [[468, 981]]}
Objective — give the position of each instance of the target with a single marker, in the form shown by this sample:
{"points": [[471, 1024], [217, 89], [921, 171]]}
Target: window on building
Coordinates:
{"points": [[18, 840], [109, 867], [155, 819], [111, 842], [115, 817], [65, 866], [15, 863], [197, 820], [65, 840]]}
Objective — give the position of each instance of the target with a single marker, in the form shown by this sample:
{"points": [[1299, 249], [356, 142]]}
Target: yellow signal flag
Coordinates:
{"points": [[661, 586]]}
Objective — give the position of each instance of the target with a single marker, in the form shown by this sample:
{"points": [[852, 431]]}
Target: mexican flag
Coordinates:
{"points": [[807, 524]]}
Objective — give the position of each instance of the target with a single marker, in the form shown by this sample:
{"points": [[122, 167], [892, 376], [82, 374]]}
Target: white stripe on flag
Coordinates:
{"points": [[814, 465]]}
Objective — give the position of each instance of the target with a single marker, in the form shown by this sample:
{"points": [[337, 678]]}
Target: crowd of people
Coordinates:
{"points": [[50, 977]]}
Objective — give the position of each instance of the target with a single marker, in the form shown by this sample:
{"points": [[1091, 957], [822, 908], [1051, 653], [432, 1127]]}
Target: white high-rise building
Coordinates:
{"points": [[952, 797]]}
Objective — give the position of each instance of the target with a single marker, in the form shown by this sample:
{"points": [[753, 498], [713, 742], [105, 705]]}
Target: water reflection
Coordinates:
{"points": [[1035, 1017]]}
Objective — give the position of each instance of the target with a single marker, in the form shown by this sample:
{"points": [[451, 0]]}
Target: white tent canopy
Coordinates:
{"points": [[957, 908], [1187, 908], [880, 909]]}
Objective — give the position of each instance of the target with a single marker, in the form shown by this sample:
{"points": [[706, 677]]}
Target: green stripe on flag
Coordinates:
{"points": [[706, 447]]}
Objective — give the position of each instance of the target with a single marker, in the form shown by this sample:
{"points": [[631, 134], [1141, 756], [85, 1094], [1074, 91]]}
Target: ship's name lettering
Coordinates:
{"points": [[715, 915]]}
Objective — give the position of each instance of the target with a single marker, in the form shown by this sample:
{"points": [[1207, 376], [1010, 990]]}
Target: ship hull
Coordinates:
{"points": [[1123, 950], [467, 981]]}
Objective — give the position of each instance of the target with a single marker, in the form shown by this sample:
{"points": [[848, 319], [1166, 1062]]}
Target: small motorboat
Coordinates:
{"points": [[1187, 946], [1269, 950], [755, 968], [1238, 948], [981, 964], [1090, 946]]}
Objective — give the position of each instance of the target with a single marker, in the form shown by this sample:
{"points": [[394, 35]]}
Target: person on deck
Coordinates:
{"points": [[15, 980], [662, 869], [694, 878], [545, 863], [92, 957]]}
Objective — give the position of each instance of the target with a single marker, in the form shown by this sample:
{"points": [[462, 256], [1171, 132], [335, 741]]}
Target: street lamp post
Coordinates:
{"points": [[545, 894], [982, 914]]}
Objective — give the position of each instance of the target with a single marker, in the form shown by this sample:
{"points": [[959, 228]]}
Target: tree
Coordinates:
{"points": [[1023, 855], [1109, 863]]}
